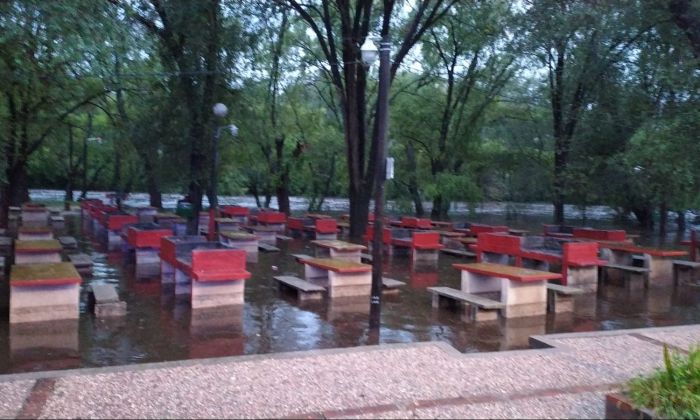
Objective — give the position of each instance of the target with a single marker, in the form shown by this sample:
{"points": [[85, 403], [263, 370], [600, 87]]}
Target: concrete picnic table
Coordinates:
{"points": [[44, 292], [522, 290], [34, 233], [658, 261], [340, 277], [338, 249], [37, 251]]}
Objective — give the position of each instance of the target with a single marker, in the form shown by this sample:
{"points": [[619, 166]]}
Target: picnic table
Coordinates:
{"points": [[34, 233], [523, 291], [340, 277], [212, 277], [44, 292], [658, 261], [37, 251], [248, 242], [338, 249], [170, 248]]}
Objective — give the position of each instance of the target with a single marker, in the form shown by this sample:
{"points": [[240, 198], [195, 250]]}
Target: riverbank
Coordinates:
{"points": [[422, 380]]}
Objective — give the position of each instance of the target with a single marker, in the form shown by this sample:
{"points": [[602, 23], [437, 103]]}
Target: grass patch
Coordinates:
{"points": [[672, 391]]}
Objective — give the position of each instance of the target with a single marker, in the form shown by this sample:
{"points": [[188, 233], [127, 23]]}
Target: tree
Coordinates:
{"points": [[46, 50], [340, 27]]}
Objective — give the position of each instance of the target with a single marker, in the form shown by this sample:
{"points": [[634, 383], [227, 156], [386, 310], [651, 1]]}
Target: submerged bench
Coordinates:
{"points": [[68, 242], [341, 278], [634, 277], [391, 285], [561, 298], [683, 271], [478, 308], [105, 301], [305, 289], [458, 252], [82, 262]]}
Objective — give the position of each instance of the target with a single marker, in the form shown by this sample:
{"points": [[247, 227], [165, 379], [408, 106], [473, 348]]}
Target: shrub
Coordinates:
{"points": [[672, 391]]}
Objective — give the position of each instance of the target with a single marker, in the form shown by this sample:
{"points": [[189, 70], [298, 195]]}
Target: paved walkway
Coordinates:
{"points": [[424, 380]]}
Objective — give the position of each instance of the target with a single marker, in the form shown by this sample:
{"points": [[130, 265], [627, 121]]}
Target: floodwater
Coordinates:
{"points": [[158, 328]]}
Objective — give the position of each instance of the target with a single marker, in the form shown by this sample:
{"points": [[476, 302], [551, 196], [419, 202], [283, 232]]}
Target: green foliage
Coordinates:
{"points": [[674, 391]]}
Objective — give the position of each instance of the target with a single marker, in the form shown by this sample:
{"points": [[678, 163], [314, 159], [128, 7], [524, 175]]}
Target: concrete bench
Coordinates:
{"points": [[5, 245], [305, 289], [82, 262], [561, 298], [266, 247], [340, 277], [683, 271], [391, 285], [105, 301], [458, 252], [478, 308], [68, 242], [634, 277]]}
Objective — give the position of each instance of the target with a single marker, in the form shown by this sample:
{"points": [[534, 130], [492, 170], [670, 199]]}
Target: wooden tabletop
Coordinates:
{"points": [[468, 240], [342, 266], [634, 249], [338, 245], [44, 274], [39, 245], [508, 271]]}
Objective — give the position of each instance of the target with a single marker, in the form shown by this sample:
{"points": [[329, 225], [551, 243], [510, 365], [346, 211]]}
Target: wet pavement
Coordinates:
{"points": [[158, 328], [567, 377]]}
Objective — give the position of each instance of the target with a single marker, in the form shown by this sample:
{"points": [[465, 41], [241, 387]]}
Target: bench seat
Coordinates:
{"points": [[479, 307], [630, 275], [560, 298], [305, 289], [686, 268]]}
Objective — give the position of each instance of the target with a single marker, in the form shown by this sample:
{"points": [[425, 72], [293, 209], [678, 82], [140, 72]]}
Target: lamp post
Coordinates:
{"points": [[369, 55], [220, 110]]}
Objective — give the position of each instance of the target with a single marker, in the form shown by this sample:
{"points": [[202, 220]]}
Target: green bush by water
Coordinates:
{"points": [[674, 390]]}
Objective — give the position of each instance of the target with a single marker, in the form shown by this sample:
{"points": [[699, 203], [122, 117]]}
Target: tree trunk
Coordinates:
{"points": [[155, 197], [359, 213], [440, 209], [282, 187], [663, 218], [644, 216], [18, 185], [680, 220], [413, 180]]}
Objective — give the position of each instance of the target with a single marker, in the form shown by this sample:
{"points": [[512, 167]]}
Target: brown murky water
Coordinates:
{"points": [[157, 328]]}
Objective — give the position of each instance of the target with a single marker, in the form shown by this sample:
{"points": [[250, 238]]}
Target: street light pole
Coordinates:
{"points": [[213, 199], [380, 177], [220, 110]]}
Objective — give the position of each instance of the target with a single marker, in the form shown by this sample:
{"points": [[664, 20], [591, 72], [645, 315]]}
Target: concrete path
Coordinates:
{"points": [[423, 380]]}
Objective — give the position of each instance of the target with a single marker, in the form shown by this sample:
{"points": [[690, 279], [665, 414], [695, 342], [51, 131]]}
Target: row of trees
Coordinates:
{"points": [[568, 101]]}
